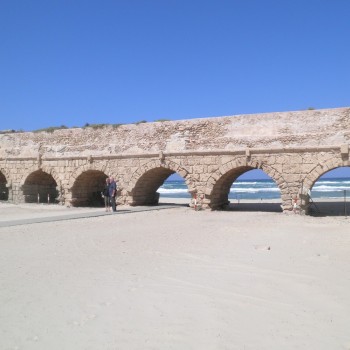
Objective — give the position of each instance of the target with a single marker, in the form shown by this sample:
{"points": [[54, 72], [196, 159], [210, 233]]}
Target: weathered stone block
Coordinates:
{"points": [[344, 149]]}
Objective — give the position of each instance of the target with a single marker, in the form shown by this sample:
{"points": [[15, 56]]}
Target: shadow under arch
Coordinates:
{"points": [[327, 193], [4, 191], [144, 192], [87, 188], [219, 195], [40, 187]]}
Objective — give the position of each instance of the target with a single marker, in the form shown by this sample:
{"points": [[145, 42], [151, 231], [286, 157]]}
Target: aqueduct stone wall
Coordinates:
{"points": [[69, 165]]}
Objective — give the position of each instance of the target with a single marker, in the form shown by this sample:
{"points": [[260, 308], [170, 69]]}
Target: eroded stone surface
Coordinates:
{"points": [[294, 148]]}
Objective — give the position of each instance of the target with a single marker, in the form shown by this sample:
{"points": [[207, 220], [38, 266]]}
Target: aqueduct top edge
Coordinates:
{"points": [[310, 128]]}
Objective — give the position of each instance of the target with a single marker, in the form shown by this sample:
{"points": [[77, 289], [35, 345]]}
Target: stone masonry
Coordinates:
{"points": [[70, 165]]}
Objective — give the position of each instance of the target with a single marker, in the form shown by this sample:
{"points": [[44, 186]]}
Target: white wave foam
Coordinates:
{"points": [[245, 183], [171, 190], [253, 190], [325, 188], [319, 182]]}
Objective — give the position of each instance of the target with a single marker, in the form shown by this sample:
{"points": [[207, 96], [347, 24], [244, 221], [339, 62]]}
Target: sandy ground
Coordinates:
{"points": [[174, 279]]}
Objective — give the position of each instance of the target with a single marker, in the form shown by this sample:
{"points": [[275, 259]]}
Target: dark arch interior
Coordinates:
{"points": [[145, 191], [87, 188], [4, 192], [330, 194], [40, 187], [220, 197]]}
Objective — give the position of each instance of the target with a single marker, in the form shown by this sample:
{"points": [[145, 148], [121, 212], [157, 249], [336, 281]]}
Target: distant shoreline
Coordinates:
{"points": [[164, 199]]}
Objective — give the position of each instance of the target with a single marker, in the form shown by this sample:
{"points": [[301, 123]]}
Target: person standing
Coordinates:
{"points": [[105, 193], [112, 192]]}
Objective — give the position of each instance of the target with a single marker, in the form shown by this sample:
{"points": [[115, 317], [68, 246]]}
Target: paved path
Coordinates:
{"points": [[83, 215]]}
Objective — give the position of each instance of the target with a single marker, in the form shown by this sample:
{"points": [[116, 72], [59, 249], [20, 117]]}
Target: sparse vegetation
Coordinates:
{"points": [[100, 126], [51, 129], [162, 120], [116, 125], [8, 131], [96, 126]]}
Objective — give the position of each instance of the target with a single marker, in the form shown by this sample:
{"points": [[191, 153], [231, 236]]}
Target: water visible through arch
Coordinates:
{"points": [[246, 189], [330, 193], [160, 185]]}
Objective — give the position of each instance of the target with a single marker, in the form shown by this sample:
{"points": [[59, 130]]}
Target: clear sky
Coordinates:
{"points": [[75, 62], [72, 62]]}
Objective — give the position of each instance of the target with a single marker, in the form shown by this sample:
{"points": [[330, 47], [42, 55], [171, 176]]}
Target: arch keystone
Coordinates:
{"points": [[344, 149]]}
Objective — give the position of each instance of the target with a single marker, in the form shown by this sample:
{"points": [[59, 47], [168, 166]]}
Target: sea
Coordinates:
{"points": [[330, 188]]}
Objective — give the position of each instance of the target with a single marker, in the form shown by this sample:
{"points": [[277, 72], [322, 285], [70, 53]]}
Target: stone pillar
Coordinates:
{"points": [[9, 192], [198, 201], [344, 151], [17, 193]]}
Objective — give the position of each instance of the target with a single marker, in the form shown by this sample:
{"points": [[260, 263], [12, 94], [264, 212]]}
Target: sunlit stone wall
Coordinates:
{"points": [[293, 148]]}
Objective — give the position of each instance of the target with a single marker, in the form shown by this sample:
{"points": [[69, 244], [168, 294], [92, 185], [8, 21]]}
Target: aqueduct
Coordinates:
{"points": [[69, 165]]}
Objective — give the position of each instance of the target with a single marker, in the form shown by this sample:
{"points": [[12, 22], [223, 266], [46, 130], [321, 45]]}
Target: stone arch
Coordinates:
{"points": [[219, 183], [46, 169], [4, 191], [311, 178], [318, 171], [101, 167], [40, 186], [6, 173], [57, 178], [149, 177], [87, 187]]}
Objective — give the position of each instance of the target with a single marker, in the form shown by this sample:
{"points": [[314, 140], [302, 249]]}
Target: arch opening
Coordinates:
{"points": [[330, 193], [246, 189], [87, 188], [160, 185], [40, 187], [4, 191]]}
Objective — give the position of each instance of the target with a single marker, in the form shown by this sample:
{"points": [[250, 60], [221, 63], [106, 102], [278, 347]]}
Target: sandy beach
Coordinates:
{"points": [[174, 279]]}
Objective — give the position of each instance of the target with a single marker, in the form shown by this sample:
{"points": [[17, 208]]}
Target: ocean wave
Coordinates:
{"points": [[171, 190], [319, 182], [253, 190], [247, 183], [320, 197], [319, 188], [325, 188]]}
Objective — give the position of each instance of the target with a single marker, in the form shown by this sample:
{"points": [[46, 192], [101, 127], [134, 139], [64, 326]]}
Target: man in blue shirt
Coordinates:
{"points": [[112, 192]]}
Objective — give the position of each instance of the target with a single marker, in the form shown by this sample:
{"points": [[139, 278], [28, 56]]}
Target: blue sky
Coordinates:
{"points": [[75, 62]]}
